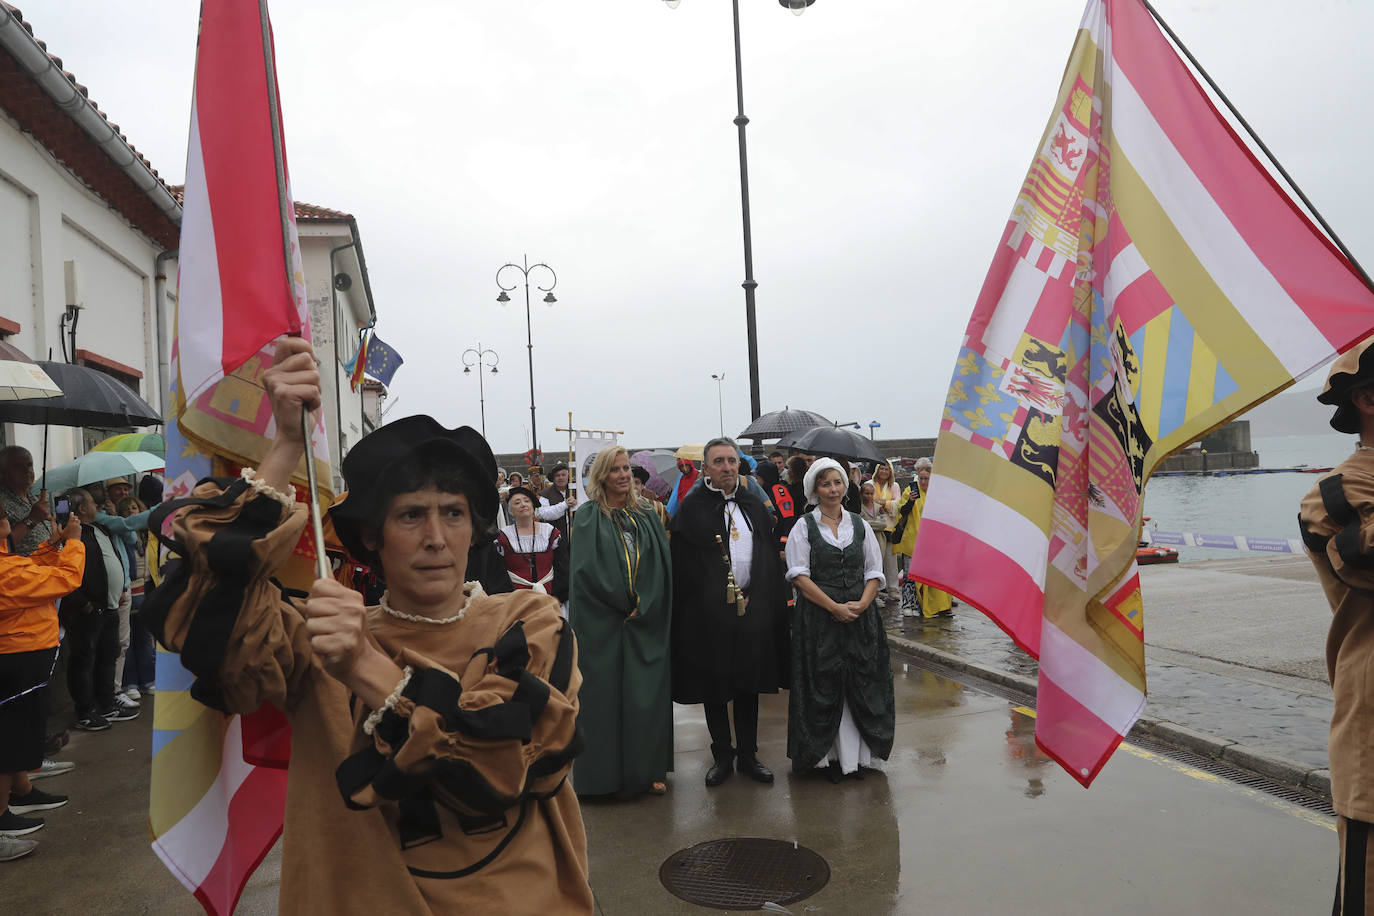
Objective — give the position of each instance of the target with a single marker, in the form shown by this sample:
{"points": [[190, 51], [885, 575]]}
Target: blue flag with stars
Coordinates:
{"points": [[382, 360]]}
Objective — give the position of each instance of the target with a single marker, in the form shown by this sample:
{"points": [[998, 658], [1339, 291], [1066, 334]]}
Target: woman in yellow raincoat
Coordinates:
{"points": [[918, 599]]}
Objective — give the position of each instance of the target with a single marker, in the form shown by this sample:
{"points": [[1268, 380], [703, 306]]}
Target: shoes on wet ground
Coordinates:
{"points": [[719, 772], [117, 713], [51, 767], [12, 824], [14, 847], [91, 723], [36, 800], [124, 701], [750, 766]]}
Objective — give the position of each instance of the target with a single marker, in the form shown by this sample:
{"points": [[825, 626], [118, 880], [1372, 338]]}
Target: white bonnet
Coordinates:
{"points": [[814, 472]]}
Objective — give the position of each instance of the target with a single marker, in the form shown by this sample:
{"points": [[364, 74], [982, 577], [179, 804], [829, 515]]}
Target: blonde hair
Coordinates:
{"points": [[595, 484]]}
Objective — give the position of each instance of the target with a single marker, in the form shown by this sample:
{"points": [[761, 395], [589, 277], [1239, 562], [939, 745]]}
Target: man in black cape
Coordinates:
{"points": [[719, 655]]}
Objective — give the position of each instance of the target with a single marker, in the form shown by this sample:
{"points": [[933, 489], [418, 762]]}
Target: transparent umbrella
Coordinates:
{"points": [[97, 467]]}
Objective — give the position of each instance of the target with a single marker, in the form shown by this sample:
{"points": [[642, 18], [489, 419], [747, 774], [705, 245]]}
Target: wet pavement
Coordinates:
{"points": [[1233, 661], [967, 817]]}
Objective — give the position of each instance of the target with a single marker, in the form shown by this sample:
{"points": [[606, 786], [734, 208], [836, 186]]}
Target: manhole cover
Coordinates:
{"points": [[744, 873]]}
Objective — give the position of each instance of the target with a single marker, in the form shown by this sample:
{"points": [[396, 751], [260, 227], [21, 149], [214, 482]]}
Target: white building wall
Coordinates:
{"points": [[335, 317], [47, 217]]}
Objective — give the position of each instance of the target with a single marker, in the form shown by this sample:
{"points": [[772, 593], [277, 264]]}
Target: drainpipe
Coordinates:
{"points": [[334, 310], [164, 368], [371, 312]]}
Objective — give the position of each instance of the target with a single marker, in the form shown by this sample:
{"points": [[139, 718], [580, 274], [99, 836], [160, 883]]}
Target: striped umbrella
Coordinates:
{"points": [[153, 443]]}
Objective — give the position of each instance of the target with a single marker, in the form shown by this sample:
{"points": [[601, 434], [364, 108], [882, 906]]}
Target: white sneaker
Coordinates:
{"points": [[133, 694], [124, 701], [52, 767], [15, 847]]}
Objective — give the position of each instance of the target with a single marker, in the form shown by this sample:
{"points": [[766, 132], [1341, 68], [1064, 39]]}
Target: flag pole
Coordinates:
{"points": [[284, 202], [1331, 233]]}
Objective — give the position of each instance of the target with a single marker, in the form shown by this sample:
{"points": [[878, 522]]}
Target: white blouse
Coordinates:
{"points": [[524, 543], [798, 552]]}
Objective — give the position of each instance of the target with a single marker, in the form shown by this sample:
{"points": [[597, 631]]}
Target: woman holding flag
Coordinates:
{"points": [[432, 733]]}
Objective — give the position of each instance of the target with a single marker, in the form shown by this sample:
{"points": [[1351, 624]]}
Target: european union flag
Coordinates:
{"points": [[382, 361]]}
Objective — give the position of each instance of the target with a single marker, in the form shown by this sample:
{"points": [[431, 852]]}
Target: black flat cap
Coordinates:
{"points": [[368, 463]]}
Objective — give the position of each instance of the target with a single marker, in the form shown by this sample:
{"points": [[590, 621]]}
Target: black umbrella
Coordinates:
{"points": [[89, 398], [834, 442], [781, 422]]}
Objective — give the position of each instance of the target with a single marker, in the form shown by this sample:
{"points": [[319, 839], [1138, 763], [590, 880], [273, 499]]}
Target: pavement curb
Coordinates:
{"points": [[1281, 769]]}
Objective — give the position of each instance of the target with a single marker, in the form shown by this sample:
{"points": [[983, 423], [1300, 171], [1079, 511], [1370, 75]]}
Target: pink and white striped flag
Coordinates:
{"points": [[237, 289], [214, 811], [1152, 282]]}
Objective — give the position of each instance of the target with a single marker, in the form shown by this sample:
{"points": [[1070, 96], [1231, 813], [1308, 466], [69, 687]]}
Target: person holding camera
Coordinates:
{"points": [[29, 589]]}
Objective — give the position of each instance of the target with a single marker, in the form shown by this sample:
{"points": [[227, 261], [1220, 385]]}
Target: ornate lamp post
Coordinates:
{"points": [[479, 359], [797, 7], [529, 336]]}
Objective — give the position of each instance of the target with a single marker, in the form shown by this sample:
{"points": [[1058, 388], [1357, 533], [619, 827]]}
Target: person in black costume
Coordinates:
{"points": [[722, 656]]}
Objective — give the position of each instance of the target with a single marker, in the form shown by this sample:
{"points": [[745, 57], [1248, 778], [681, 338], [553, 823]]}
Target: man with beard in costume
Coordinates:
{"points": [[727, 651]]}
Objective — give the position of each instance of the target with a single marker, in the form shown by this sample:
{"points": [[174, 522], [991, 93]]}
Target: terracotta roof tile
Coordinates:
{"points": [[39, 115], [303, 209]]}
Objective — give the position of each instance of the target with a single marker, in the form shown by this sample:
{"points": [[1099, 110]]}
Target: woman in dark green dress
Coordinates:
{"points": [[841, 713], [620, 596]]}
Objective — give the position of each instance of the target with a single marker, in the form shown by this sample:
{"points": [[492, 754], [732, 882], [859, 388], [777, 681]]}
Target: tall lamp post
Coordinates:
{"points": [[529, 336], [797, 7], [479, 359], [872, 425], [720, 400]]}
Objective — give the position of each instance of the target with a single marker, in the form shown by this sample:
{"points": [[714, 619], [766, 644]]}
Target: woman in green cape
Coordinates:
{"points": [[619, 604]]}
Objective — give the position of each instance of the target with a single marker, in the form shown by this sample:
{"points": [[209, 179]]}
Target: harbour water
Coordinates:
{"points": [[1253, 505]]}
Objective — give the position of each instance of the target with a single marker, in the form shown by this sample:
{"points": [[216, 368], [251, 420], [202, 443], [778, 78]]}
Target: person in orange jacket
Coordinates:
{"points": [[29, 589]]}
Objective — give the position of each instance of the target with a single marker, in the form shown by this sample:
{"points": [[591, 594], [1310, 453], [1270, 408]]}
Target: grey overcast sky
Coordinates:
{"points": [[887, 142]]}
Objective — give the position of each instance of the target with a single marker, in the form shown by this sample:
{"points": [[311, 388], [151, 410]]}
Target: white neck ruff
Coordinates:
{"points": [[471, 590]]}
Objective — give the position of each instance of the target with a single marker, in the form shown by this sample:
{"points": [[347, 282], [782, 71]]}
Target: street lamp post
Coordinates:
{"points": [[529, 335], [720, 400], [872, 425], [479, 359], [751, 324]]}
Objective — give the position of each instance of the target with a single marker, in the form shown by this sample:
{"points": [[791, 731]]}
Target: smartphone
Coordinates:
{"points": [[64, 511]]}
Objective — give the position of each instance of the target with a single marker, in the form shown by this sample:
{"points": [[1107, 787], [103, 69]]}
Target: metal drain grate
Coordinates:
{"points": [[1308, 800], [743, 873]]}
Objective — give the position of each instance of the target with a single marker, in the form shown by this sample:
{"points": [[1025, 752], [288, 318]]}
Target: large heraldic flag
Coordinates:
{"points": [[218, 784], [1152, 283]]}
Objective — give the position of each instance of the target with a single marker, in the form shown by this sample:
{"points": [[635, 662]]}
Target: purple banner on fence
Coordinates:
{"points": [[1224, 541], [1270, 545]]}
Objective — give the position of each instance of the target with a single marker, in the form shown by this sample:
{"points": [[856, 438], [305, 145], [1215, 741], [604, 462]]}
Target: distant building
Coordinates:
{"points": [[88, 238]]}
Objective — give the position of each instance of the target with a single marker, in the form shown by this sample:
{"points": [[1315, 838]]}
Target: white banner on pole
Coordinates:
{"points": [[585, 447]]}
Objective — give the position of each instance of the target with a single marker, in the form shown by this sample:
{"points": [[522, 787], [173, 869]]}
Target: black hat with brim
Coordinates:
{"points": [[522, 491], [1352, 369], [641, 474], [370, 461]]}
